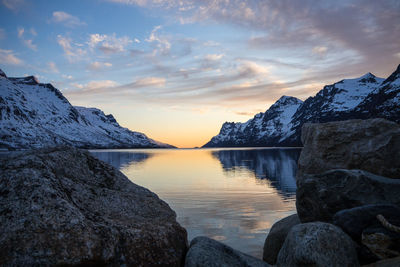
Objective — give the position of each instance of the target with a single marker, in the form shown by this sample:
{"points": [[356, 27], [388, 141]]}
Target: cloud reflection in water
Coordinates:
{"points": [[231, 195]]}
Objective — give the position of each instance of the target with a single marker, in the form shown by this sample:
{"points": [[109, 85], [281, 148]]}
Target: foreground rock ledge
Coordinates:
{"points": [[64, 207]]}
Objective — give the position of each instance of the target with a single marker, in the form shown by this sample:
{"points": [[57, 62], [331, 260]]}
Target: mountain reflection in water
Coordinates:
{"points": [[120, 159], [277, 165], [231, 195]]}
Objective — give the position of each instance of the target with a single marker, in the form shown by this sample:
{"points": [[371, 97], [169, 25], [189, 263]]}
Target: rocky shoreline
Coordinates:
{"points": [[62, 206], [348, 175]]}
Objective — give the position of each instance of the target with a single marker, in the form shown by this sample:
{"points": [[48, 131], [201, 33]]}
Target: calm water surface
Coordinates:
{"points": [[231, 195]]}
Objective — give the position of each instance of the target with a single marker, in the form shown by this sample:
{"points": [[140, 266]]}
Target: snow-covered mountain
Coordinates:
{"points": [[265, 129], [34, 114], [334, 102], [384, 102], [361, 98]]}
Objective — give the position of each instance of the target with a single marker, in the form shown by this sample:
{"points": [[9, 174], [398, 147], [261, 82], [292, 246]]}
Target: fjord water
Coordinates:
{"points": [[231, 195]]}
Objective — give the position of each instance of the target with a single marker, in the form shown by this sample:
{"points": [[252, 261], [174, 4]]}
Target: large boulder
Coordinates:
{"points": [[277, 236], [206, 252], [320, 196], [317, 244], [64, 207], [372, 145]]}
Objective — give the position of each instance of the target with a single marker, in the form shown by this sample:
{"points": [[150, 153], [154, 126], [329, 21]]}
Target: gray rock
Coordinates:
{"points": [[277, 236], [206, 252], [317, 244], [362, 226], [64, 207], [320, 196], [372, 145], [354, 221]]}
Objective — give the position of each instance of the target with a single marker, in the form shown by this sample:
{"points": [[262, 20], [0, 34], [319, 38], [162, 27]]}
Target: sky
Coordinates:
{"points": [[176, 70]]}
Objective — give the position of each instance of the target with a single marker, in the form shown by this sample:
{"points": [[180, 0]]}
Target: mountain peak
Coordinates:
{"points": [[285, 100], [367, 76], [395, 75], [30, 80], [284, 97], [38, 115], [228, 124], [2, 74]]}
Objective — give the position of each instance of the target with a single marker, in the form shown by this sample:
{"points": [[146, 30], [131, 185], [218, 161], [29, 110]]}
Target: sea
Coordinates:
{"points": [[233, 195]]}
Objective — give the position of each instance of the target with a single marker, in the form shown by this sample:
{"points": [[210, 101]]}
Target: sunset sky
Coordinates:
{"points": [[176, 70]]}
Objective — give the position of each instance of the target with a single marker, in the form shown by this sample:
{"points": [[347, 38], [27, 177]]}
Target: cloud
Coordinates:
{"points": [[149, 81], [68, 77], [246, 82], [112, 88], [27, 42], [250, 69], [100, 84], [278, 63], [293, 48], [71, 51], [99, 65], [320, 50], [96, 38], [214, 57], [2, 34], [366, 30], [137, 52], [144, 2], [20, 32], [157, 46], [33, 32], [93, 86], [109, 44], [14, 5], [162, 45], [66, 19], [212, 87], [9, 57], [211, 43], [211, 61], [52, 67], [246, 113]]}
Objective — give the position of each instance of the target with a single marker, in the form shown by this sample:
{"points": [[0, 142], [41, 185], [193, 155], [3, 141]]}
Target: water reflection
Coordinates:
{"points": [[277, 165], [230, 195], [120, 159]]}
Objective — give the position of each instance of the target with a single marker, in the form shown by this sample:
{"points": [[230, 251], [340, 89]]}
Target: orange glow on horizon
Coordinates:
{"points": [[187, 139]]}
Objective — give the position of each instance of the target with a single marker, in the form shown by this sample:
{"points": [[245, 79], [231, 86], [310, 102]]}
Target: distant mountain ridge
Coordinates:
{"points": [[361, 98], [34, 114], [265, 129]]}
